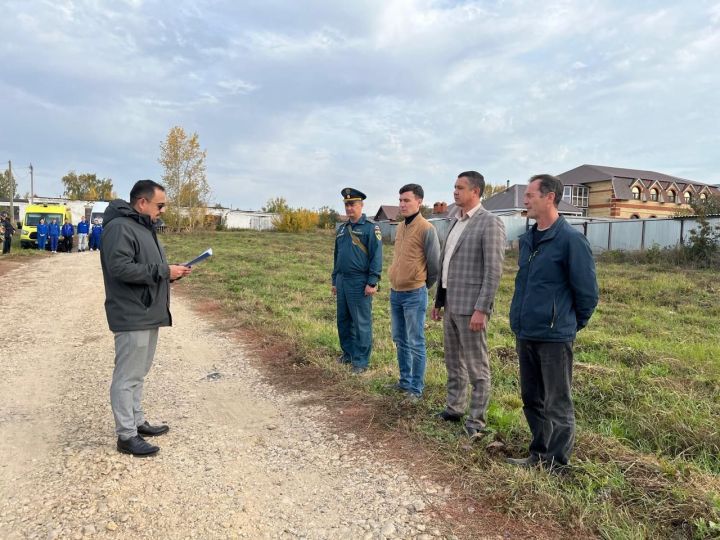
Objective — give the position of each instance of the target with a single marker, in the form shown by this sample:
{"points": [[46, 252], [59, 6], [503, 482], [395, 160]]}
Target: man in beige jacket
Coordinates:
{"points": [[414, 269]]}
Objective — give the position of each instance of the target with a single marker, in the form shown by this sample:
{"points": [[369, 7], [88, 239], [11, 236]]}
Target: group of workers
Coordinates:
{"points": [[556, 292], [55, 235]]}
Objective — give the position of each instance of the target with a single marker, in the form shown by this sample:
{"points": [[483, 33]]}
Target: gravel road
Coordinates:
{"points": [[242, 460]]}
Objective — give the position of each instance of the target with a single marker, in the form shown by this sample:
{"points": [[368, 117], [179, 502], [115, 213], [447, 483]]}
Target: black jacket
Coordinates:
{"points": [[8, 229], [135, 271]]}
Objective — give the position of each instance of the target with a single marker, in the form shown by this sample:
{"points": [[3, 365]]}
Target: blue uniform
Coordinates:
{"points": [[95, 236], [354, 268], [53, 234], [42, 234]]}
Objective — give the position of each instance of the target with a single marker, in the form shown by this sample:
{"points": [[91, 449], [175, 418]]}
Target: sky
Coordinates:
{"points": [[298, 99]]}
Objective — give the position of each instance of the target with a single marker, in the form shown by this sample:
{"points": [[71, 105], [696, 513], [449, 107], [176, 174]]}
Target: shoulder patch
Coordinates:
{"points": [[378, 234]]}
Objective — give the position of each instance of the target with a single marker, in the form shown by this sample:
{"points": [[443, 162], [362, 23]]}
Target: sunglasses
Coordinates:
{"points": [[160, 206]]}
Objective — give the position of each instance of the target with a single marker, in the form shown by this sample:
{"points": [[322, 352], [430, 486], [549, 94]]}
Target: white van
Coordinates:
{"points": [[97, 211]]}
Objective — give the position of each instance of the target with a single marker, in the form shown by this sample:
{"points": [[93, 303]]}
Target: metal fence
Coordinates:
{"points": [[624, 235]]}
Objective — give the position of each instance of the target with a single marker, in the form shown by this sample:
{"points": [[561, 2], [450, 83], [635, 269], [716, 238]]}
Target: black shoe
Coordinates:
{"points": [[137, 446], [395, 387], [357, 370], [152, 431], [448, 416], [342, 359], [533, 460]]}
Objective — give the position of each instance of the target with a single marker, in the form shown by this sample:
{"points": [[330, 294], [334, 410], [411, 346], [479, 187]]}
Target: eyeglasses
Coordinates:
{"points": [[160, 206]]}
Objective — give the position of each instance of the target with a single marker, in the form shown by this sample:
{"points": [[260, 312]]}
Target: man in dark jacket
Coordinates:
{"points": [[7, 232], [137, 303], [556, 292]]}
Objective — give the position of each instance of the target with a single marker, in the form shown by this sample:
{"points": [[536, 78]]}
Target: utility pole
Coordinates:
{"points": [[32, 186], [12, 193]]}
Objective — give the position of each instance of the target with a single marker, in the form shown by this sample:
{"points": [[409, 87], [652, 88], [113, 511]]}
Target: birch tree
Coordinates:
{"points": [[184, 178]]}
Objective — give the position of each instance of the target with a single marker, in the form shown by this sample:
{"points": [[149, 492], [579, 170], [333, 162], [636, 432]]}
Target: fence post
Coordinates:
{"points": [[609, 235], [682, 230], [642, 236]]}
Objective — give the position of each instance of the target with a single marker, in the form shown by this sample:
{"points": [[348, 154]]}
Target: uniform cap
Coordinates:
{"points": [[352, 194]]}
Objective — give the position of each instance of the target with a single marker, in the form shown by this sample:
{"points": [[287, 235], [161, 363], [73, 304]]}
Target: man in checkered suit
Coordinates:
{"points": [[470, 270]]}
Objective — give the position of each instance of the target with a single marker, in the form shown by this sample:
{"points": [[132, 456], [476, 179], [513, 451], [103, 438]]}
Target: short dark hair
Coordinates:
{"points": [[550, 184], [144, 189], [475, 179], [415, 188]]}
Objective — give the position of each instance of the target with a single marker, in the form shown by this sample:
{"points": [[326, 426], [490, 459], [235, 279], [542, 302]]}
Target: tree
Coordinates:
{"points": [[491, 189], [276, 205], [5, 185], [87, 187], [705, 240], [425, 211], [327, 218], [185, 179]]}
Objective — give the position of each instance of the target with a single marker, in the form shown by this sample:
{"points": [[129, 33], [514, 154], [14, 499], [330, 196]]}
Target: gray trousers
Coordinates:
{"points": [[466, 359], [134, 352]]}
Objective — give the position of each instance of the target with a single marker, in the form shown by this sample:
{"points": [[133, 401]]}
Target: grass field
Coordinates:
{"points": [[647, 382]]}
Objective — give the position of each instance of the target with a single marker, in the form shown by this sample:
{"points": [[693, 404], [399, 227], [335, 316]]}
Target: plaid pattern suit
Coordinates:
{"points": [[473, 278]]}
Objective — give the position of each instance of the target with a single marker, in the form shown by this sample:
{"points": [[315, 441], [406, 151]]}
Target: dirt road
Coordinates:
{"points": [[242, 460]]}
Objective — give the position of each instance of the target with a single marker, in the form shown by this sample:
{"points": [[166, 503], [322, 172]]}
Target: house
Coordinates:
{"points": [[615, 192], [442, 210], [510, 203], [387, 213]]}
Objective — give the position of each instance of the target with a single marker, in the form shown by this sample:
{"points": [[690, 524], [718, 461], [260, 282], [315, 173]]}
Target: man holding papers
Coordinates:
{"points": [[137, 302]]}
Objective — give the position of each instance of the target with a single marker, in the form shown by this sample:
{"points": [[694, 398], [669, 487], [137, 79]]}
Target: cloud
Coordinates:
{"points": [[300, 99]]}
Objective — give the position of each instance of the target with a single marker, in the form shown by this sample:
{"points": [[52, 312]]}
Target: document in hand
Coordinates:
{"points": [[200, 258]]}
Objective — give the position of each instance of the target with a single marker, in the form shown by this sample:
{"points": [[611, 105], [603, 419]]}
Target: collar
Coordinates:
{"points": [[359, 221], [410, 219], [470, 213]]}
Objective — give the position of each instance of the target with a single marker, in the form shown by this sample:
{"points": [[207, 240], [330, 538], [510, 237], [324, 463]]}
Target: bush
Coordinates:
{"points": [[298, 220]]}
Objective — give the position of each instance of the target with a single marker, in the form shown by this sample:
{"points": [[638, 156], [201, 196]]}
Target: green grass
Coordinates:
{"points": [[647, 381]]}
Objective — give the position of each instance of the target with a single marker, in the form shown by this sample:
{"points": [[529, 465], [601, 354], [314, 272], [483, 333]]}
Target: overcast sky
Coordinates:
{"points": [[300, 98]]}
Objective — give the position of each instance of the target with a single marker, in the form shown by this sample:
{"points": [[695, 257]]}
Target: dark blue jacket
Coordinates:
{"points": [[83, 227], [96, 231], [53, 229], [68, 230], [352, 261], [556, 289], [42, 229]]}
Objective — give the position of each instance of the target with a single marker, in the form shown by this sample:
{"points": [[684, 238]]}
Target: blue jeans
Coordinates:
{"points": [[407, 311]]}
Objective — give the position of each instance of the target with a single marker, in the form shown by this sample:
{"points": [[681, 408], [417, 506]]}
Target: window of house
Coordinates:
{"points": [[580, 196], [653, 194], [688, 197], [636, 193], [567, 194], [672, 196]]}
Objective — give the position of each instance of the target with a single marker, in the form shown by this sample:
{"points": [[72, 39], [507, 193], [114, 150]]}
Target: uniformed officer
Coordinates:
{"points": [[355, 276]]}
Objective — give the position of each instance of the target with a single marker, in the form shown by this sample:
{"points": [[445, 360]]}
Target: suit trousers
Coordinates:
{"points": [[134, 352], [467, 362], [545, 385]]}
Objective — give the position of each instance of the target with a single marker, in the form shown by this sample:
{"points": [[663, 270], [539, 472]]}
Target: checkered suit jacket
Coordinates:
{"points": [[475, 267]]}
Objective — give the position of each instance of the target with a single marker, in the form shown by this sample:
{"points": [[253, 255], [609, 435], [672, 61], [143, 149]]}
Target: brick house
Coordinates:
{"points": [[630, 193]]}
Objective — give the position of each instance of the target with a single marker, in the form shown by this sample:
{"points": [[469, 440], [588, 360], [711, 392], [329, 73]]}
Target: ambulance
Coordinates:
{"points": [[33, 213]]}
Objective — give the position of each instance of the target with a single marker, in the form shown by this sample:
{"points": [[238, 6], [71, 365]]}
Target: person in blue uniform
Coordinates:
{"points": [[42, 234], [54, 234], [67, 233], [356, 273], [95, 235]]}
